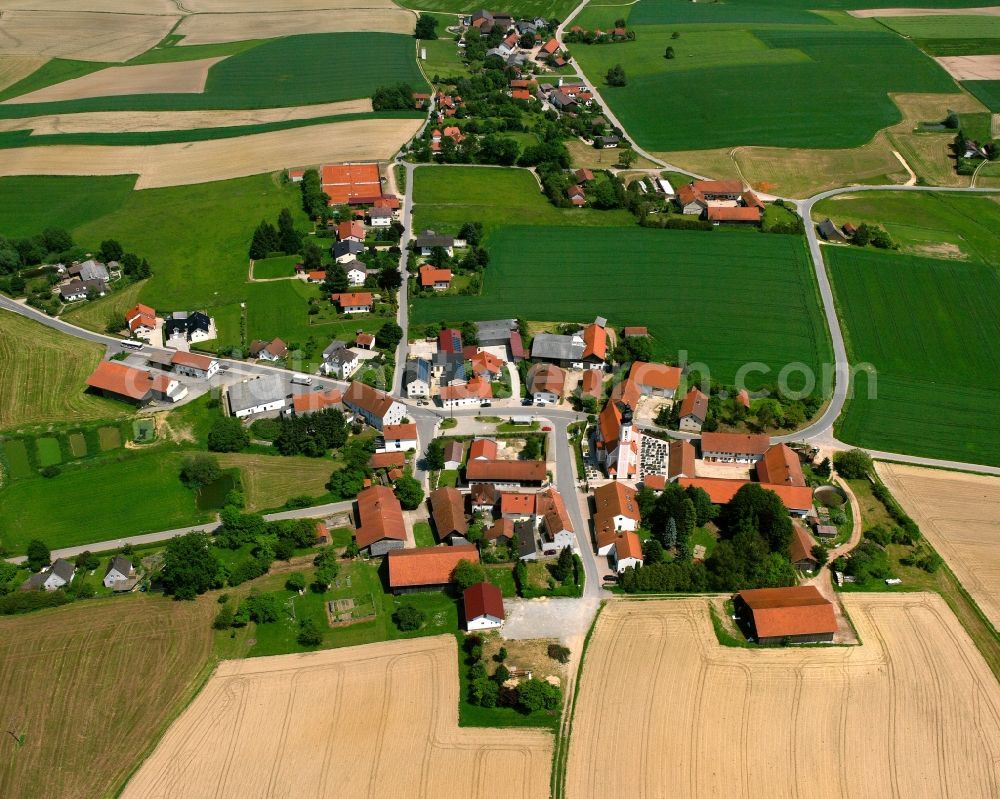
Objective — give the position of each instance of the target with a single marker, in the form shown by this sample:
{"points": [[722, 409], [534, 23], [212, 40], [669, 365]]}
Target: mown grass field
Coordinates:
{"points": [[43, 376], [131, 494], [727, 298], [94, 315], [32, 203], [931, 330], [944, 26], [269, 481], [922, 223], [279, 72], [92, 686], [747, 80], [446, 197]]}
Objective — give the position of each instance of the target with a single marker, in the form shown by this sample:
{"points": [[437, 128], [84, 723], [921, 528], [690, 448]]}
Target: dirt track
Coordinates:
{"points": [[180, 76], [379, 721], [139, 121], [208, 28], [205, 161], [913, 712], [959, 515]]}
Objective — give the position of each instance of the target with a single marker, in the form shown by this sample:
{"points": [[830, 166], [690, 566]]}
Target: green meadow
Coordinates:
{"points": [[725, 297], [986, 91], [930, 329]]}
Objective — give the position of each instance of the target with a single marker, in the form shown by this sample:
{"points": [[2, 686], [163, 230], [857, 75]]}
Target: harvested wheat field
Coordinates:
{"points": [[960, 515], [210, 28], [111, 6], [145, 121], [15, 67], [179, 77], [246, 6], [378, 720], [985, 11], [971, 67], [204, 161], [91, 685], [913, 712], [81, 35]]}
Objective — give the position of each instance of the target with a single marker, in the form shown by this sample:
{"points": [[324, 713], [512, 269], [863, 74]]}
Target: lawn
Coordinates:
{"points": [[138, 493], [32, 203], [279, 72], [282, 266], [725, 297], [930, 329], [503, 578], [269, 481], [443, 58], [448, 196], [423, 535], [65, 673], [43, 375], [751, 83], [48, 451], [923, 223], [94, 315]]}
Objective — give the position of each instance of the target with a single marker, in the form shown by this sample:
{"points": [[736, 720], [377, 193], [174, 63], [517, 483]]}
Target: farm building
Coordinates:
{"points": [[380, 521], [680, 460], [376, 407], [501, 532], [453, 452], [693, 411], [426, 568], [273, 350], [483, 497], [387, 460], [506, 474], [398, 438], [615, 511], [116, 380], [546, 382], [501, 333], [315, 401], [483, 604], [353, 301], [345, 183], [448, 512], [483, 449], [734, 447], [256, 395], [626, 552], [477, 391], [796, 499], [780, 466], [417, 378], [194, 365], [655, 379], [798, 614], [829, 231], [800, 550]]}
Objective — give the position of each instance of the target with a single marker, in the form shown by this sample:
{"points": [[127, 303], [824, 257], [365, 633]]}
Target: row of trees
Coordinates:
{"points": [[315, 201], [268, 240]]}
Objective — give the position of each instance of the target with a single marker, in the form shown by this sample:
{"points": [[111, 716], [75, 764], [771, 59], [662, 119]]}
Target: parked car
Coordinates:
{"points": [[547, 428]]}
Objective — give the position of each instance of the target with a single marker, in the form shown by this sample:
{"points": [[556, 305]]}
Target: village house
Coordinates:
{"points": [[387, 460], [257, 395], [141, 321], [77, 290], [780, 466], [90, 270], [615, 510], [425, 243], [296, 175], [377, 408], [483, 449], [798, 614], [353, 302], [351, 231], [483, 497], [356, 273], [577, 196], [592, 384], [584, 350], [546, 383], [191, 364], [120, 575], [274, 350], [448, 513], [693, 411], [398, 438], [364, 341], [316, 277], [426, 568], [486, 365], [339, 361], [433, 278], [500, 533], [515, 505], [483, 606], [58, 575], [448, 368], [195, 326], [118, 381], [380, 217], [733, 447], [476, 392], [315, 401], [655, 379], [381, 528], [554, 523], [449, 340], [345, 251], [453, 451], [417, 378], [626, 552], [800, 550], [506, 474]]}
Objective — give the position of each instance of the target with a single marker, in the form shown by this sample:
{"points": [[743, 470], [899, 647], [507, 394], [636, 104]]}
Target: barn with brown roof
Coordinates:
{"points": [[483, 604], [800, 550], [380, 521], [799, 614], [781, 466], [506, 473], [426, 568], [448, 512]]}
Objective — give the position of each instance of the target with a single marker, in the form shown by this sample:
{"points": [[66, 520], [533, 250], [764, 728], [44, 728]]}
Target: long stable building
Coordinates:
{"points": [[799, 614]]}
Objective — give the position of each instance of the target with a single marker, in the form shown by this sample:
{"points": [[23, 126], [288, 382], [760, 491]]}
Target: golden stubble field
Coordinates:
{"points": [[225, 27], [90, 686], [960, 515], [665, 711], [379, 720], [217, 159]]}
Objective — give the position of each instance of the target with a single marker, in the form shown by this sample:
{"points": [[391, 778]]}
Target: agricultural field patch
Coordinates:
{"points": [[76, 663], [764, 91], [269, 268], [688, 287], [673, 12], [16, 454], [14, 68], [44, 375], [957, 514], [986, 91], [944, 26], [77, 445], [547, 9], [115, 511], [310, 719], [269, 481], [110, 438], [200, 29], [720, 709], [913, 319], [29, 204], [48, 452]]}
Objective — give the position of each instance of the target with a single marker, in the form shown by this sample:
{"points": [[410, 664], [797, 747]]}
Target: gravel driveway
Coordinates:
{"points": [[566, 619]]}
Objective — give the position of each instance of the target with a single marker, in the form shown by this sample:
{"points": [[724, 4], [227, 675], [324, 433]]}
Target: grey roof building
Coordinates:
{"points": [[556, 348], [527, 544], [429, 239], [335, 345], [91, 270], [829, 231], [451, 365], [342, 248], [256, 393], [417, 370], [495, 332]]}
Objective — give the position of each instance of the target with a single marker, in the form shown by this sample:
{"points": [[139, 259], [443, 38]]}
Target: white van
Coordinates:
{"points": [[302, 380]]}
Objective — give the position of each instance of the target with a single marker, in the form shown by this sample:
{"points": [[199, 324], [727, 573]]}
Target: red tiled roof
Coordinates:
{"points": [[125, 381], [380, 516], [719, 490], [449, 340], [610, 500], [796, 610], [448, 511], [364, 339], [738, 214], [656, 482], [743, 397], [520, 94], [635, 331], [477, 387], [549, 506], [501, 528], [486, 362], [139, 310], [694, 404], [793, 497], [351, 299], [514, 502], [546, 377], [739, 443], [751, 199], [142, 320], [595, 342], [430, 275], [504, 471], [427, 565], [367, 398], [550, 46], [344, 182], [386, 460], [399, 432], [657, 375], [718, 186], [318, 276], [592, 385], [483, 599], [483, 448], [680, 459], [191, 359], [583, 175], [348, 230], [802, 544], [389, 201], [628, 545], [609, 423], [316, 401], [781, 466]]}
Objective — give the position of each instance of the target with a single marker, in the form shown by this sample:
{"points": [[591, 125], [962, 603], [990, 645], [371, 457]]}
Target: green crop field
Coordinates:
{"points": [[922, 223], [727, 298], [280, 72], [986, 91], [32, 203], [747, 80], [930, 329], [447, 197], [97, 502], [674, 12], [960, 46], [283, 266], [944, 27], [43, 375]]}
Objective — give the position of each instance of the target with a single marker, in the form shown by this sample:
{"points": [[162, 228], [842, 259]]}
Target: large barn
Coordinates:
{"points": [[799, 614]]}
